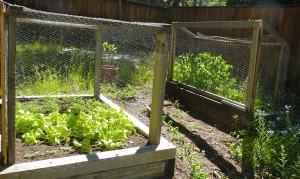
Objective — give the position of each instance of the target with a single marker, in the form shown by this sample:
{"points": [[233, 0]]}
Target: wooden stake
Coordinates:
{"points": [[158, 91], [3, 83], [11, 97], [254, 66], [98, 64]]}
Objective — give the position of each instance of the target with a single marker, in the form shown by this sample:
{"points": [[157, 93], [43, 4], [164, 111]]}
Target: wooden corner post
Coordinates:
{"points": [[3, 84], [158, 91], [255, 54], [98, 61], [11, 91], [172, 53]]}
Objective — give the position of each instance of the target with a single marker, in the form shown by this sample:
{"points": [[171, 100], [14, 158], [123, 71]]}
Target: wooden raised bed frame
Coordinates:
{"points": [[153, 161], [156, 160]]}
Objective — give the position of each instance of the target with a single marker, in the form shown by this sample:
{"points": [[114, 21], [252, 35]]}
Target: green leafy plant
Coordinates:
{"points": [[81, 123], [209, 73], [271, 144], [110, 49]]}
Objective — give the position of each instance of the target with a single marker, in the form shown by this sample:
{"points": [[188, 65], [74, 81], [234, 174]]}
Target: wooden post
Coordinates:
{"points": [[3, 84], [98, 62], [11, 91], [158, 91], [254, 66], [172, 53], [281, 73]]}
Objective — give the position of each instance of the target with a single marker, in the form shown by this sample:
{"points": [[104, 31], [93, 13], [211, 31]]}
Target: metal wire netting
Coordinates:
{"points": [[220, 61], [56, 54]]}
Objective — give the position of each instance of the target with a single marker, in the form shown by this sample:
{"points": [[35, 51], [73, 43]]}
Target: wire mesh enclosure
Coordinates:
{"points": [[55, 55], [219, 59]]}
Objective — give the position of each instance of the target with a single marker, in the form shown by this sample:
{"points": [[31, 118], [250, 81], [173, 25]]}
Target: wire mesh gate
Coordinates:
{"points": [[231, 62]]}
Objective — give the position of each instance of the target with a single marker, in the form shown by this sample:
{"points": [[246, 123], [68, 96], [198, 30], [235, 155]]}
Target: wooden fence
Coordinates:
{"points": [[113, 9], [285, 20]]}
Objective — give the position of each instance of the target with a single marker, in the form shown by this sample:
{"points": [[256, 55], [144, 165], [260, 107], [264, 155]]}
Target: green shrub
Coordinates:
{"points": [[271, 145]]}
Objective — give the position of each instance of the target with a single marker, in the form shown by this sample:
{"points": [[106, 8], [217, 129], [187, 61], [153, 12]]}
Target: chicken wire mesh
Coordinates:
{"points": [[55, 54], [218, 61]]}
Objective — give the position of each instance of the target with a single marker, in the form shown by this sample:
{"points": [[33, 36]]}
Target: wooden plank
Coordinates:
{"points": [[56, 23], [98, 61], [3, 84], [171, 60], [158, 90], [213, 96], [254, 67], [153, 170], [11, 91], [273, 32], [218, 24], [85, 164], [30, 98], [216, 111]]}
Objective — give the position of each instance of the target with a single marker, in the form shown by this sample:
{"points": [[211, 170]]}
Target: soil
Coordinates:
{"points": [[43, 151], [205, 135], [206, 138]]}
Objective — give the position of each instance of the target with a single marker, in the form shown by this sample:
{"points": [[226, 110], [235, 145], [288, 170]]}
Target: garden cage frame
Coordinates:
{"points": [[156, 160], [257, 54]]}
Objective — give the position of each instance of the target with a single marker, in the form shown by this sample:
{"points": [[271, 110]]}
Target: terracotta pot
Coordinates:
{"points": [[108, 73]]}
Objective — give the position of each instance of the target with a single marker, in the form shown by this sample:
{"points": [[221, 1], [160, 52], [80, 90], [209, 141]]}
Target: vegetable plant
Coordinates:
{"points": [[84, 124], [209, 73]]}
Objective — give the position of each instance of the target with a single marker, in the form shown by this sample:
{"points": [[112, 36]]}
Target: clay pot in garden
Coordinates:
{"points": [[108, 73]]}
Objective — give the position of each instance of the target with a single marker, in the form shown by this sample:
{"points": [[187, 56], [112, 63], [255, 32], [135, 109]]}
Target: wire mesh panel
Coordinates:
{"points": [[127, 62], [56, 54], [217, 61], [54, 59], [213, 61]]}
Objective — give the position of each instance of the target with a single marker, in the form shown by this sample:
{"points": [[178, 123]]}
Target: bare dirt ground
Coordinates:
{"points": [[206, 137]]}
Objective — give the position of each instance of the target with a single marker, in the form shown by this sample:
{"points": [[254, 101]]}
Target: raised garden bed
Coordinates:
{"points": [[219, 110], [152, 161]]}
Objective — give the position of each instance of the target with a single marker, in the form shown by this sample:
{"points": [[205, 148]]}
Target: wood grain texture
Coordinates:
{"points": [[98, 61], [253, 67], [3, 84], [132, 162], [158, 90], [212, 109], [11, 91]]}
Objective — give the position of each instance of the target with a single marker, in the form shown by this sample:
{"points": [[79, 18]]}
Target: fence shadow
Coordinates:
{"points": [[212, 154]]}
